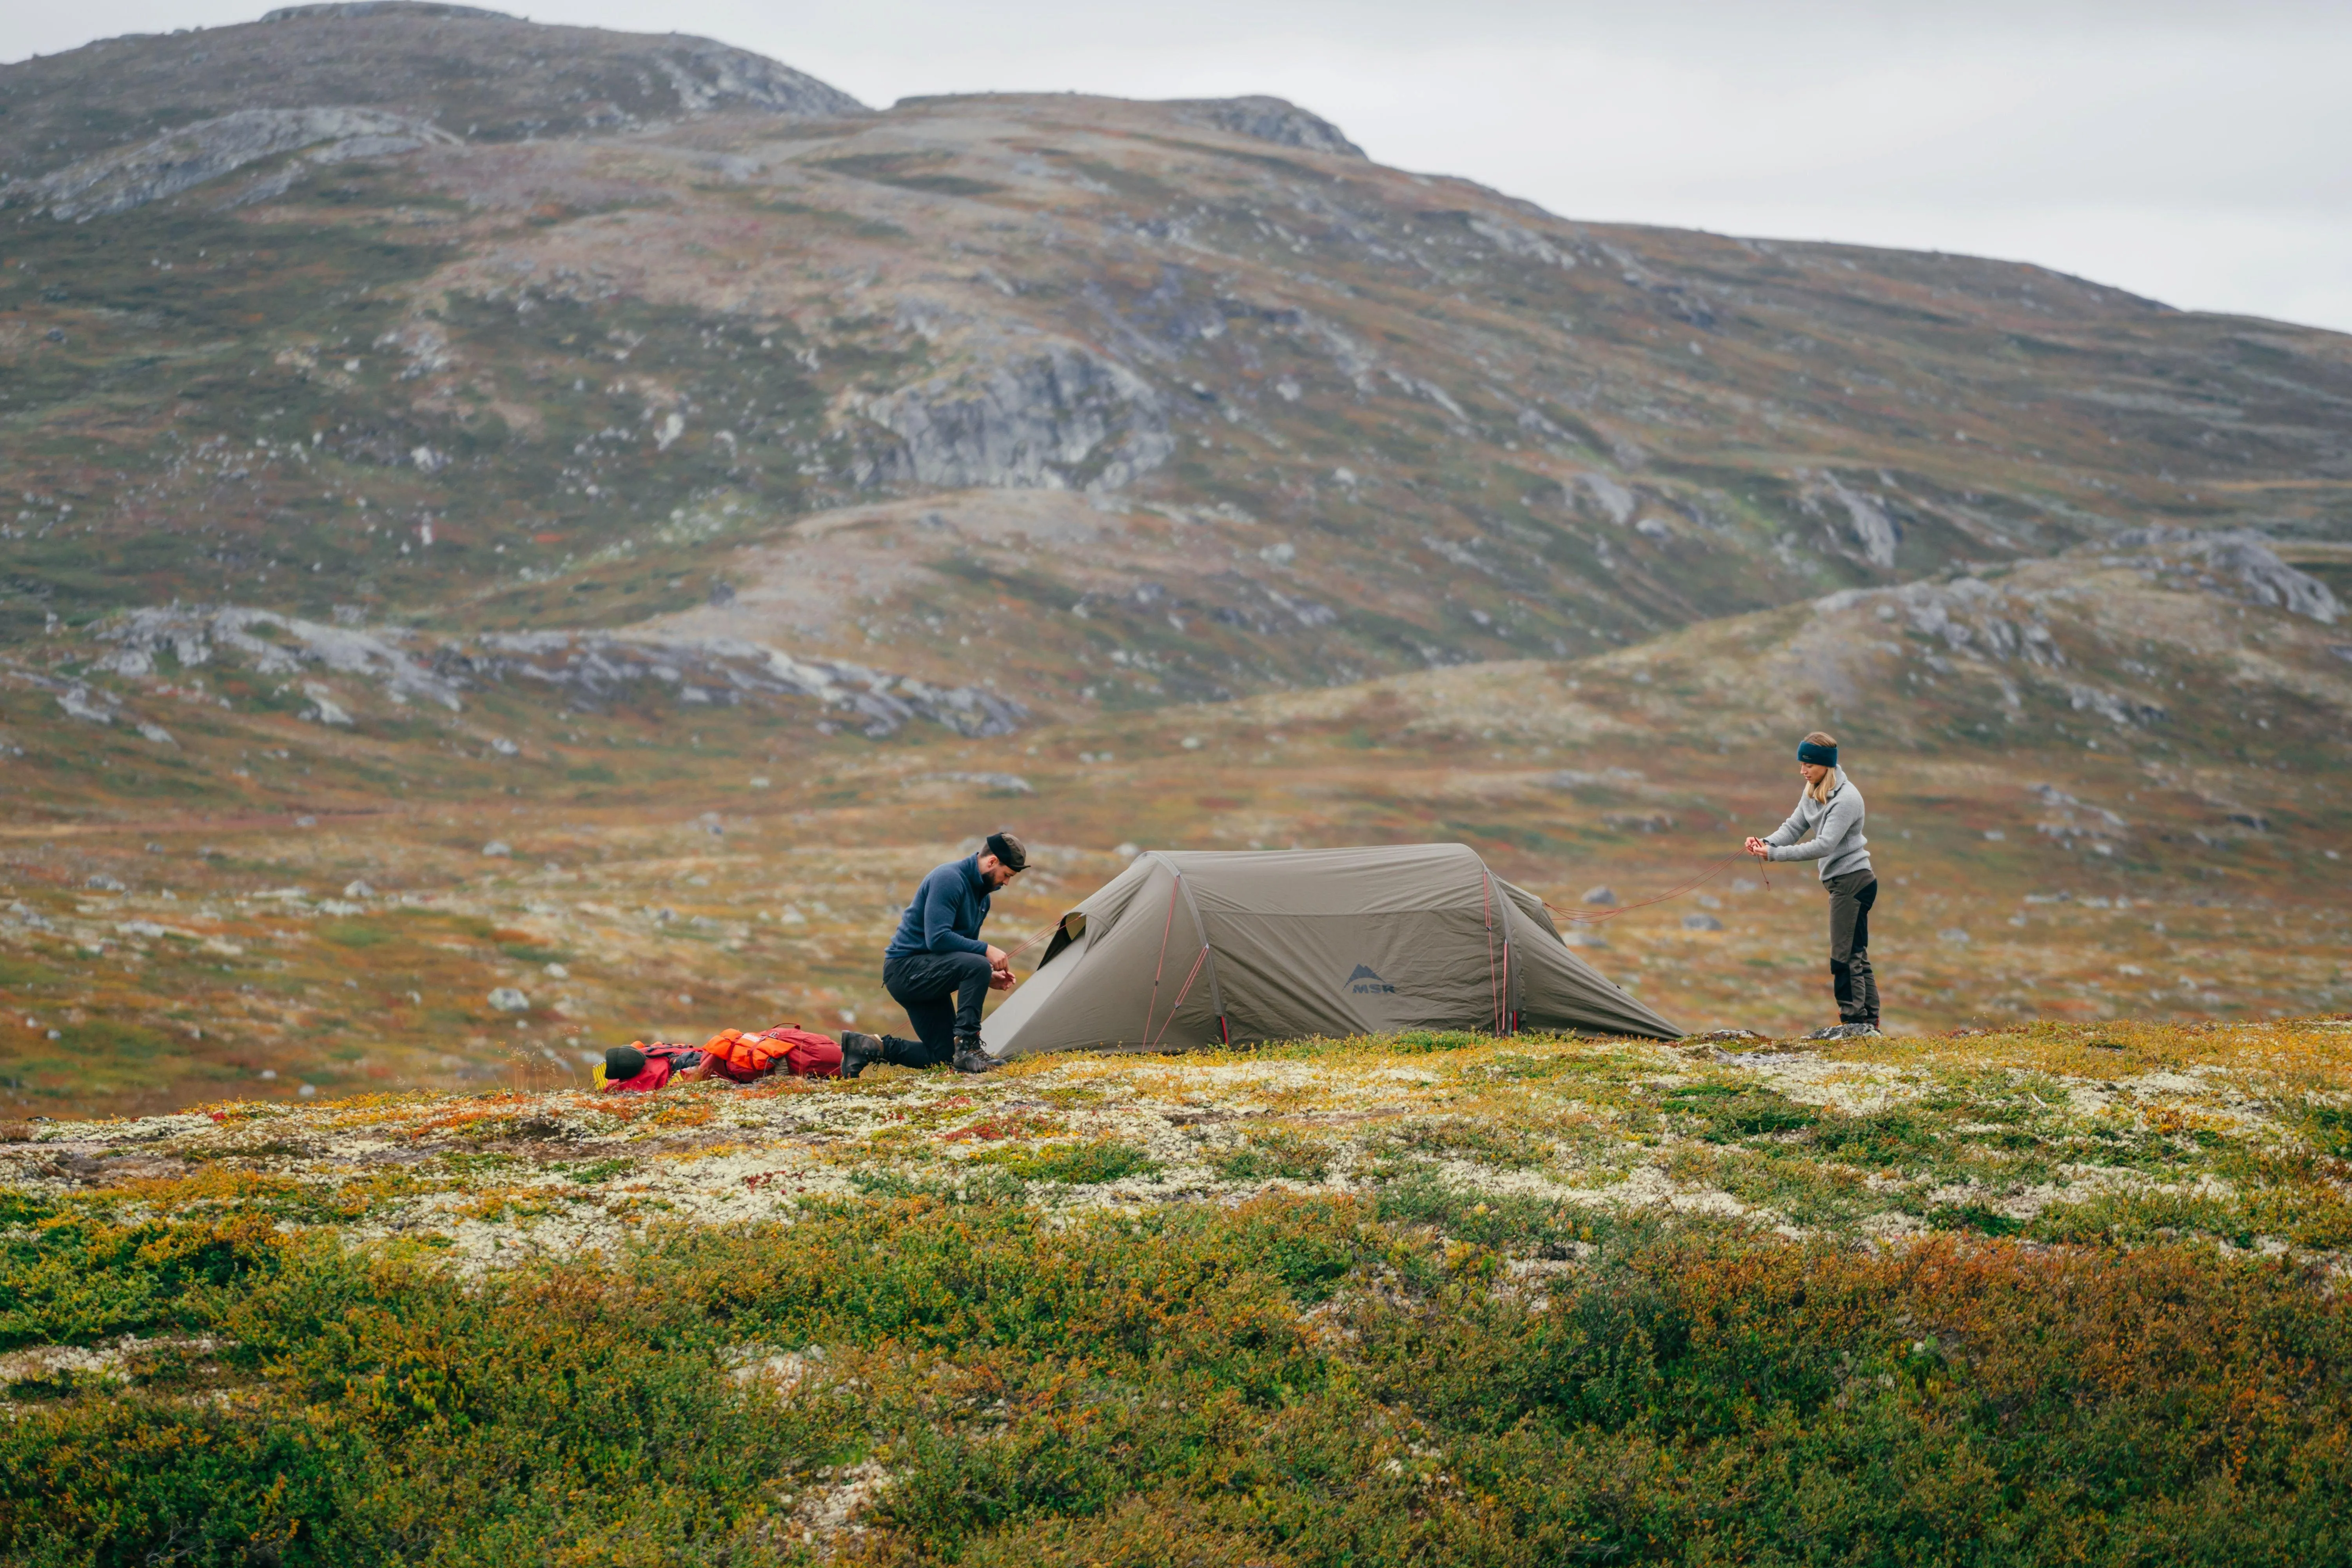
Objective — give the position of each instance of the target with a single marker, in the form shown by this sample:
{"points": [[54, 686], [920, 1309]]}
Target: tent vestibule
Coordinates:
{"points": [[1189, 947]]}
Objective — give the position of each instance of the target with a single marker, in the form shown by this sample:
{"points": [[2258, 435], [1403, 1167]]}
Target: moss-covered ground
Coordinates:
{"points": [[2060, 1294]]}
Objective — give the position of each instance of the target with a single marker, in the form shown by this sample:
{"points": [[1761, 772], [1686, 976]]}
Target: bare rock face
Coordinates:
{"points": [[1269, 119], [1065, 419], [116, 182]]}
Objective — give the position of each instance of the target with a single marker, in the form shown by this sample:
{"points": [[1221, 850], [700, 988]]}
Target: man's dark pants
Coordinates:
{"points": [[1851, 897], [942, 994]]}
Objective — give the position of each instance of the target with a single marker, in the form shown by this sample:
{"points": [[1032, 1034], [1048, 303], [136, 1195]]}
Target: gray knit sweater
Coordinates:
{"points": [[1835, 825]]}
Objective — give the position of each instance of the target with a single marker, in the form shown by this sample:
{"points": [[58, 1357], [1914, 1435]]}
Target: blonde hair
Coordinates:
{"points": [[1818, 792]]}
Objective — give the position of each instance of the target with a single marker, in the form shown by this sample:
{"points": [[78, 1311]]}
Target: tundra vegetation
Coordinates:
{"points": [[2061, 1293]]}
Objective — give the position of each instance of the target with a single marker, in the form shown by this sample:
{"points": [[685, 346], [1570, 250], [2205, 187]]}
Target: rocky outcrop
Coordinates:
{"points": [[594, 669], [2239, 565], [181, 160], [1874, 531], [709, 76], [589, 669], [1267, 119], [268, 643], [1066, 418], [1968, 616]]}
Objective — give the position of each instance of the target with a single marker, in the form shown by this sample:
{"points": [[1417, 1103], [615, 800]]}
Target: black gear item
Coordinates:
{"points": [[859, 1052]]}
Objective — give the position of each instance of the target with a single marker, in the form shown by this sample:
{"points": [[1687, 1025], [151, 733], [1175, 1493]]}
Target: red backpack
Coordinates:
{"points": [[795, 1051], [745, 1058]]}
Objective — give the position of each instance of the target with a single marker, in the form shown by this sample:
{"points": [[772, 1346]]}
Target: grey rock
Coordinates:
{"points": [[180, 160], [1844, 1032], [79, 704], [497, 849], [196, 635], [589, 668], [1269, 119], [2236, 563], [507, 999], [2115, 707], [595, 667], [1512, 240], [1601, 897], [1874, 532], [1066, 418], [1701, 922]]}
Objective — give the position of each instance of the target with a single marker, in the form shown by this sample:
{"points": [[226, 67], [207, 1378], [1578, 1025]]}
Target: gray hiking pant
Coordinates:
{"points": [[1856, 988]]}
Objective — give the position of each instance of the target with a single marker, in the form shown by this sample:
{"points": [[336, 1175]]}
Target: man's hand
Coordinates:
{"points": [[1757, 848], [1001, 980], [999, 960]]}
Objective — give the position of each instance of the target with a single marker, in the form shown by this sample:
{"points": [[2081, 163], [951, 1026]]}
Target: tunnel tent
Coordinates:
{"points": [[1192, 948]]}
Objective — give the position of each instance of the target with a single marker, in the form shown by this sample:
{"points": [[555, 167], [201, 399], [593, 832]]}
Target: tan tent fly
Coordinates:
{"points": [[1189, 948]]}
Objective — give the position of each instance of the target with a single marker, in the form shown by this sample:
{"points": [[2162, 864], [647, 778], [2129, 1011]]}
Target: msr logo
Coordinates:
{"points": [[1364, 982]]}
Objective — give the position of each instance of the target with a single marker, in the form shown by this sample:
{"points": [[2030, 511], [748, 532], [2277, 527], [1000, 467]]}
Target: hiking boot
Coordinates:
{"points": [[1844, 1032], [970, 1058], [858, 1052]]}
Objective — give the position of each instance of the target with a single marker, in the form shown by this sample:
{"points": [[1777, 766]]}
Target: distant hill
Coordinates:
{"points": [[477, 74]]}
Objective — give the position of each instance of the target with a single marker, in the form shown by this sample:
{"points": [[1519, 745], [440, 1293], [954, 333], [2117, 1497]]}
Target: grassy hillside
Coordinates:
{"points": [[2099, 789], [2044, 1295]]}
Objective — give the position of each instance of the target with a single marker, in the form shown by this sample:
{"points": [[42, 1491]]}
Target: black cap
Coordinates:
{"points": [[1009, 852], [623, 1062]]}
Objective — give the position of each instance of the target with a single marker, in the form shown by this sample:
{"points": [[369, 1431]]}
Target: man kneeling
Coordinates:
{"points": [[938, 956]]}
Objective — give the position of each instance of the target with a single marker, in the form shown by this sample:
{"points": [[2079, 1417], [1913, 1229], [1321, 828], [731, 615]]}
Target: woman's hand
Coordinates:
{"points": [[1757, 848]]}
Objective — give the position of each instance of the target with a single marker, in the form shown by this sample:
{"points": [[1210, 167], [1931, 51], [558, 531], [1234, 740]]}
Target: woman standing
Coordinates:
{"points": [[1829, 810]]}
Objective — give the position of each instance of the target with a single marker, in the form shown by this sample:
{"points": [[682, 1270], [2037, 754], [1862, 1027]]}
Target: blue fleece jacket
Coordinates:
{"points": [[946, 912]]}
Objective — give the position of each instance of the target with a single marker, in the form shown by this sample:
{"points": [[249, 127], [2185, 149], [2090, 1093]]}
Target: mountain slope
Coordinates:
{"points": [[1330, 419]]}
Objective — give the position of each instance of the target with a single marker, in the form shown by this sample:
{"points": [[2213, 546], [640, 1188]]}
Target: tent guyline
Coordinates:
{"points": [[1289, 944]]}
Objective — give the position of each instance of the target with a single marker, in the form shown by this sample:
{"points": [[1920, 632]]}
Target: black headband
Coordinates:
{"points": [[1818, 756]]}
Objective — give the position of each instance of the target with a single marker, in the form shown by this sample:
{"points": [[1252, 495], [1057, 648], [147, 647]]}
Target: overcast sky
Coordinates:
{"points": [[2193, 153]]}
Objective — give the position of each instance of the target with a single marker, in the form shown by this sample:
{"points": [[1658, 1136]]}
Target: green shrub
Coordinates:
{"points": [[1427, 1040], [1293, 1381], [1076, 1164], [1261, 1156]]}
